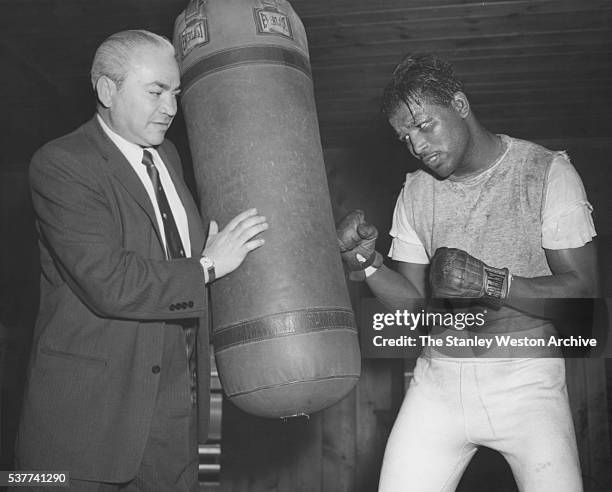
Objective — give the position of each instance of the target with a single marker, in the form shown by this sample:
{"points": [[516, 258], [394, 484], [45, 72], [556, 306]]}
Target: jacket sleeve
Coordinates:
{"points": [[80, 226]]}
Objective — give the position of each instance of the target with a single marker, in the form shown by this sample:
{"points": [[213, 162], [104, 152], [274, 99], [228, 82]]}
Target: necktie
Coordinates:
{"points": [[175, 249], [174, 244]]}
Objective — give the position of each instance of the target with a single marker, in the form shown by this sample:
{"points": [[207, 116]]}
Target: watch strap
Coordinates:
{"points": [[209, 265]]}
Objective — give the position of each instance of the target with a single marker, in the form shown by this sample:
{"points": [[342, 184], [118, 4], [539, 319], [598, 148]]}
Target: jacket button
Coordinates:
{"points": [[190, 303], [172, 307], [184, 305], [155, 369]]}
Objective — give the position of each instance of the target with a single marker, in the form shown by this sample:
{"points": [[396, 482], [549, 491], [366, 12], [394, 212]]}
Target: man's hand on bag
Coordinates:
{"points": [[228, 248]]}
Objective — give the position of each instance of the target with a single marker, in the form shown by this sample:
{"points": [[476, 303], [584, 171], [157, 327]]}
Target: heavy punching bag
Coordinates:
{"points": [[283, 328]]}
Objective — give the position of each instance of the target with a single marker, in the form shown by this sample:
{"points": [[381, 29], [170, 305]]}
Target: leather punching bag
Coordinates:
{"points": [[283, 328]]}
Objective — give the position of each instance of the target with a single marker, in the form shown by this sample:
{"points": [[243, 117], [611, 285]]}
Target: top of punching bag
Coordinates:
{"points": [[244, 31]]}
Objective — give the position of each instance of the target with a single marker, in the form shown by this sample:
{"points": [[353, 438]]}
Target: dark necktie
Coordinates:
{"points": [[175, 249], [174, 244]]}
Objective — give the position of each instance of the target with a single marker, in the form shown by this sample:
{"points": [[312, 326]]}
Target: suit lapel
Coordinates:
{"points": [[122, 170]]}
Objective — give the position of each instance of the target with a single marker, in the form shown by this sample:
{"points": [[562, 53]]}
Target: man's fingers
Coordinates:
{"points": [[243, 228], [213, 228], [249, 222], [247, 228], [254, 244], [232, 224], [241, 225], [249, 232]]}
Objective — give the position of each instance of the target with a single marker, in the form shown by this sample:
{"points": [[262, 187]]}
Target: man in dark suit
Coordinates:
{"points": [[111, 392]]}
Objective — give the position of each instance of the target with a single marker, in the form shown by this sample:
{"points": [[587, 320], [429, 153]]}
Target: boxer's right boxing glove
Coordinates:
{"points": [[357, 237]]}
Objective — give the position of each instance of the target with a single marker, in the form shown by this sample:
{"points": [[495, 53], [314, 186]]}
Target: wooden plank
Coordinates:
{"points": [[459, 28], [598, 421], [573, 90], [304, 474], [517, 45], [339, 446], [87, 18], [527, 68], [261, 455], [393, 51], [493, 83], [383, 13], [379, 395], [307, 8], [511, 100]]}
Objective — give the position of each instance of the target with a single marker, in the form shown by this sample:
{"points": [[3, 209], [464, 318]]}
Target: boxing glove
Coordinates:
{"points": [[455, 273]]}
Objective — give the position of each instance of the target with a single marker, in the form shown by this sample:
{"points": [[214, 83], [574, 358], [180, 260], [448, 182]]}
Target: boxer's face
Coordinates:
{"points": [[436, 135], [143, 106]]}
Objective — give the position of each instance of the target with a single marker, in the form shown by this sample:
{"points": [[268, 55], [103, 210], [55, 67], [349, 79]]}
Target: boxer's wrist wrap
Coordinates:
{"points": [[376, 262], [496, 284], [356, 238], [357, 266]]}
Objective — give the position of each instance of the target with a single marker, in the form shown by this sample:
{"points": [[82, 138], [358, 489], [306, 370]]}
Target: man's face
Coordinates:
{"points": [[436, 135], [143, 107]]}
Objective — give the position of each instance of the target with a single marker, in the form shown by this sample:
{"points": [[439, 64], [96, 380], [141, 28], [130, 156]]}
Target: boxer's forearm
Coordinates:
{"points": [[394, 290], [544, 296], [574, 276]]}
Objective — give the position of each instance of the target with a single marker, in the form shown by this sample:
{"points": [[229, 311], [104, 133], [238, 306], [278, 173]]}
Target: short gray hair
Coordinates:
{"points": [[113, 56]]}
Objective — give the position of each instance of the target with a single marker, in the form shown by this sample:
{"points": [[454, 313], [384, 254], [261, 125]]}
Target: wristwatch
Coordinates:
{"points": [[209, 265]]}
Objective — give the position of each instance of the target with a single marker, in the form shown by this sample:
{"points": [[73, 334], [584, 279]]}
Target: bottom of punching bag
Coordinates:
{"points": [[297, 399], [290, 363]]}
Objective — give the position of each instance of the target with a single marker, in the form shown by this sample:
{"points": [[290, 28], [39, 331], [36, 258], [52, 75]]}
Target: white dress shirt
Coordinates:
{"points": [[133, 153]]}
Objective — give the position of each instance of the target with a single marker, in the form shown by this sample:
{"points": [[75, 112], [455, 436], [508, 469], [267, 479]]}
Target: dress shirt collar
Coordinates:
{"points": [[131, 151]]}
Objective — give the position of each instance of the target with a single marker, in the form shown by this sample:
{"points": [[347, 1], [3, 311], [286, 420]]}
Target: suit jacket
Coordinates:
{"points": [[107, 295]]}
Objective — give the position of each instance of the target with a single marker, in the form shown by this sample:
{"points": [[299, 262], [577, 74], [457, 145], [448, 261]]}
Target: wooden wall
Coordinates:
{"points": [[535, 68]]}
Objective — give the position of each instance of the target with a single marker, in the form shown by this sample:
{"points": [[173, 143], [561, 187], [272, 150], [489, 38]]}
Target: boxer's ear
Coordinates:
{"points": [[461, 104]]}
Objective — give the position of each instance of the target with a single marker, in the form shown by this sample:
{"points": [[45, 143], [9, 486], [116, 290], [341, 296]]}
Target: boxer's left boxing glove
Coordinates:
{"points": [[455, 273]]}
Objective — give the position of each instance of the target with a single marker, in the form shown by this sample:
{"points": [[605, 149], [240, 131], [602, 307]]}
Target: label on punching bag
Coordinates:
{"points": [[194, 35], [196, 28], [270, 21]]}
